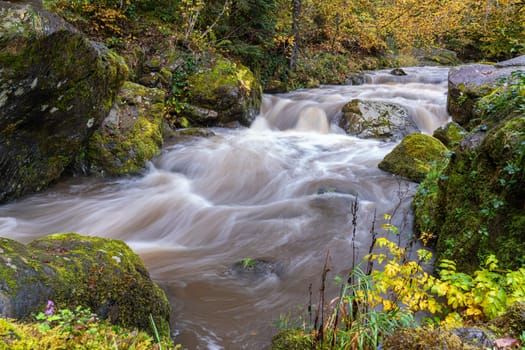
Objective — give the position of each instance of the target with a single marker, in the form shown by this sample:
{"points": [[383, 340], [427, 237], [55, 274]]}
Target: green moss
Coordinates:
{"points": [[450, 135], [424, 338], [291, 339], [103, 275], [412, 158], [84, 334], [124, 144], [478, 209]]}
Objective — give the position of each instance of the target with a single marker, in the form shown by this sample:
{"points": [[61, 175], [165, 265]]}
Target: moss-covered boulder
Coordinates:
{"points": [[131, 134], [221, 93], [467, 84], [101, 274], [414, 156], [375, 119], [56, 87], [450, 134]]}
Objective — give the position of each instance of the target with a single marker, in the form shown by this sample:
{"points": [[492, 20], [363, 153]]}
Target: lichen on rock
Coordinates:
{"points": [[375, 119]]}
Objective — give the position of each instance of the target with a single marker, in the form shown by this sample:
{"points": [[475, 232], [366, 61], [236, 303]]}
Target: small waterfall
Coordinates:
{"points": [[279, 191]]}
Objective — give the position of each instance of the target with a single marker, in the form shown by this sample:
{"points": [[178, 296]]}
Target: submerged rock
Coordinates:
{"points": [[412, 158], [374, 119], [255, 269], [131, 134], [101, 274], [56, 87]]}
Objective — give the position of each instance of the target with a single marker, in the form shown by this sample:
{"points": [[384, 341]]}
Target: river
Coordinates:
{"points": [[279, 191]]}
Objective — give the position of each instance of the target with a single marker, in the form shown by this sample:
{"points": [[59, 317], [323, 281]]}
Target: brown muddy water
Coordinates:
{"points": [[279, 191]]}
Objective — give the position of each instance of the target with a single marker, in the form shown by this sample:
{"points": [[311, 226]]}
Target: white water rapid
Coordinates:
{"points": [[280, 191]]}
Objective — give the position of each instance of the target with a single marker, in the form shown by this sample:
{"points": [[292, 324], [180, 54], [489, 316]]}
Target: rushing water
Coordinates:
{"points": [[279, 191]]}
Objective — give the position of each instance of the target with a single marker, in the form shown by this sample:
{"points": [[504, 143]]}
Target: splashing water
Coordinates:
{"points": [[279, 191]]}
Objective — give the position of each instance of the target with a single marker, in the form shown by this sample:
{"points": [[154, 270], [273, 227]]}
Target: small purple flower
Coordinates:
{"points": [[50, 308]]}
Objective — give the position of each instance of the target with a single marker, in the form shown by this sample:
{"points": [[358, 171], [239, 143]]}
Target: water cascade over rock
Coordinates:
{"points": [[277, 194]]}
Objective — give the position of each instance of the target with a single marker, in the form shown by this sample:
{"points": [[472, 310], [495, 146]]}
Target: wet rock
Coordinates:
{"points": [[101, 274], [398, 72], [256, 269], [355, 79], [131, 134], [56, 87], [475, 337], [374, 119], [413, 156], [467, 84], [191, 132], [433, 57]]}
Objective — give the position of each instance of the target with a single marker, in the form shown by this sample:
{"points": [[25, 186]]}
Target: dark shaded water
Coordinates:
{"points": [[280, 191]]}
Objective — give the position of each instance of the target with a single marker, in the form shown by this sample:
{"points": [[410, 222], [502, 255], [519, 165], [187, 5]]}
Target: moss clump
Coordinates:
{"points": [[412, 158], [422, 338], [513, 321], [131, 134]]}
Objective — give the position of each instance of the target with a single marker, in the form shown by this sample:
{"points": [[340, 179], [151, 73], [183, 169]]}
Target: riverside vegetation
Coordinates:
{"points": [[168, 44]]}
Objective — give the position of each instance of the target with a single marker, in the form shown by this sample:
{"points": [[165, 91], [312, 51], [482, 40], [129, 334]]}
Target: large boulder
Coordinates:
{"points": [[101, 274], [375, 119], [56, 87], [414, 156], [467, 84], [131, 134], [222, 93]]}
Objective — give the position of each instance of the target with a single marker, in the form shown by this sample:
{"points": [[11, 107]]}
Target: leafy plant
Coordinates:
{"points": [[247, 263]]}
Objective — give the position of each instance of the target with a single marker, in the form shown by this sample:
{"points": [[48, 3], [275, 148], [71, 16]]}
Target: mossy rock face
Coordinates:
{"points": [[24, 282], [101, 274], [467, 84], [478, 205], [229, 90], [131, 134], [56, 87], [375, 119], [412, 158]]}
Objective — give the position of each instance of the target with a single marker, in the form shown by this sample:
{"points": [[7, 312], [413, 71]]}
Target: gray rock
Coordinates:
{"points": [[374, 119], [56, 87], [467, 84]]}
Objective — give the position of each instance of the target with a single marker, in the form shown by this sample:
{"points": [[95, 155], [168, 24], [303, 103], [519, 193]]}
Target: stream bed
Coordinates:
{"points": [[279, 191]]}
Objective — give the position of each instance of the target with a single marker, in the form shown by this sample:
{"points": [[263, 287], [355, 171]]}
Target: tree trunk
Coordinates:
{"points": [[296, 16]]}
